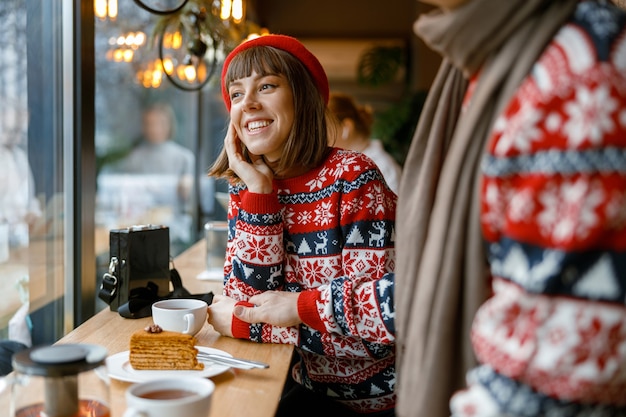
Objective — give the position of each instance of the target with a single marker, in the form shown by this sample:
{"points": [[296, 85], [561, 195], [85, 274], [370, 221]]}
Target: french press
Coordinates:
{"points": [[65, 380]]}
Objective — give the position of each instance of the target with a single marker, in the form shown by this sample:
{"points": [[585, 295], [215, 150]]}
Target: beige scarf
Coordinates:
{"points": [[441, 268]]}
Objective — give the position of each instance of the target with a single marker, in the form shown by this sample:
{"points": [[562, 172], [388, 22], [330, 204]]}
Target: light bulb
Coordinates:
{"points": [[177, 40], [190, 73], [118, 55], [100, 9], [225, 10], [112, 9], [128, 55], [237, 11], [168, 66]]}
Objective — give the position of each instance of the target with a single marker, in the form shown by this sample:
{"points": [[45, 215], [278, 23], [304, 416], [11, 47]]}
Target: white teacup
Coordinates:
{"points": [[174, 397], [182, 315]]}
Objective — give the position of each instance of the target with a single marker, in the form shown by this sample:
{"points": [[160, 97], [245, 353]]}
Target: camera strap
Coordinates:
{"points": [[140, 301], [108, 288]]}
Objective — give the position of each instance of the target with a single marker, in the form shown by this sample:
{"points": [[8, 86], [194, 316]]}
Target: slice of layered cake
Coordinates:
{"points": [[153, 348]]}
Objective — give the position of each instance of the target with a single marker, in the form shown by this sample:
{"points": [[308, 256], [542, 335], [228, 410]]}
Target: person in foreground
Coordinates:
{"points": [[516, 178], [311, 230], [355, 127]]}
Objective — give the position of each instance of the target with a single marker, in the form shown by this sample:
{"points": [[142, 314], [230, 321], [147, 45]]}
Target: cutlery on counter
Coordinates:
{"points": [[231, 361]]}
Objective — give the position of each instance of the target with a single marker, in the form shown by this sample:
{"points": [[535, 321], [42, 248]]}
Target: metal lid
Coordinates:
{"points": [[59, 360], [216, 225]]}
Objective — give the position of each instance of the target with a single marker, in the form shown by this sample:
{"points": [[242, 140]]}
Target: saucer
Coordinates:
{"points": [[118, 367]]}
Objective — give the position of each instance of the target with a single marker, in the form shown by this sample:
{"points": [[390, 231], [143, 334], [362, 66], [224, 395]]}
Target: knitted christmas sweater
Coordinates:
{"points": [[328, 234], [552, 338]]}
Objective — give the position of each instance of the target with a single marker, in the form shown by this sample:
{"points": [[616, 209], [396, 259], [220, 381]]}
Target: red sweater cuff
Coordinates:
{"points": [[239, 328], [307, 310], [259, 203]]}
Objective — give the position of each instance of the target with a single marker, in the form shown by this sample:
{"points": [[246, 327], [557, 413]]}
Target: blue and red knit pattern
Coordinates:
{"points": [[552, 337], [330, 235]]}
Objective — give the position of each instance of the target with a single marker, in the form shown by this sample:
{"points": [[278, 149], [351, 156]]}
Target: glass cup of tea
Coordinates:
{"points": [[216, 236], [60, 380], [174, 397]]}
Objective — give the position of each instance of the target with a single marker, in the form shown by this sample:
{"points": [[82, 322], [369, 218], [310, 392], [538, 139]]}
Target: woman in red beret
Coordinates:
{"points": [[311, 229]]}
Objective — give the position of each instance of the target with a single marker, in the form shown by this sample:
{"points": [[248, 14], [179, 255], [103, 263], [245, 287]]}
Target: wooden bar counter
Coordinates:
{"points": [[250, 393]]}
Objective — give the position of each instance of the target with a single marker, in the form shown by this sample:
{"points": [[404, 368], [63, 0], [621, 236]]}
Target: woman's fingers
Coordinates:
{"points": [[221, 314], [279, 308], [254, 173], [233, 146]]}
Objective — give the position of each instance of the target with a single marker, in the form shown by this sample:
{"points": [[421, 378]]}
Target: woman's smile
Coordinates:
{"points": [[255, 126]]}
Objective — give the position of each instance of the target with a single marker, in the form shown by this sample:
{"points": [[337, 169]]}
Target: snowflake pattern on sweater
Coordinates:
{"points": [[552, 338], [328, 234]]}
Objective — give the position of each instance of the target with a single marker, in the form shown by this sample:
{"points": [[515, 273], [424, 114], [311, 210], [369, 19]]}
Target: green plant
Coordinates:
{"points": [[395, 126], [378, 66]]}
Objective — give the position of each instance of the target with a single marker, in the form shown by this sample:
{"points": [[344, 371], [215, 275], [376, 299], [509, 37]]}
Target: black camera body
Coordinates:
{"points": [[140, 258]]}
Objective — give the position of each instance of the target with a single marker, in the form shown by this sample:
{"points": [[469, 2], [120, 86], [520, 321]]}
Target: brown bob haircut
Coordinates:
{"points": [[306, 145]]}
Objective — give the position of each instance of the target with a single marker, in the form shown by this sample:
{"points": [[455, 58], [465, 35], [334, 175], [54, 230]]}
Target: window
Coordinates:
{"points": [[34, 152], [62, 124], [154, 142]]}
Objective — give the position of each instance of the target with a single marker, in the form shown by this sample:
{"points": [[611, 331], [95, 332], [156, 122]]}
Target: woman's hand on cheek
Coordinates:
{"points": [[221, 314], [256, 174]]}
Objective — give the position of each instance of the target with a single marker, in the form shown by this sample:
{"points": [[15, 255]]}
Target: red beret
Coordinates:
{"points": [[288, 44]]}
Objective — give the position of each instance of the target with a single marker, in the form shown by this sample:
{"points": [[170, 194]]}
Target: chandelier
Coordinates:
{"points": [[193, 37]]}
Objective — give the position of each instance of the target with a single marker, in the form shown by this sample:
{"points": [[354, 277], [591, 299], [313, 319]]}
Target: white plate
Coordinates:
{"points": [[119, 368]]}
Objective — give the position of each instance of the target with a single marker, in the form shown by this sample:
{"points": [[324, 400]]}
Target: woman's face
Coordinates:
{"points": [[262, 113]]}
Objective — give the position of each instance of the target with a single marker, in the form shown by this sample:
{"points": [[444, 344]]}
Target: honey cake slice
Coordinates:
{"points": [[155, 349]]}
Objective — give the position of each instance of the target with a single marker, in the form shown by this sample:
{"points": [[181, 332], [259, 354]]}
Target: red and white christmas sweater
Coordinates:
{"points": [[552, 337], [328, 234]]}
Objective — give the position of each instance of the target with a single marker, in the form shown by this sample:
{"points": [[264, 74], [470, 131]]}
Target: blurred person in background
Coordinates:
{"points": [[353, 132], [19, 208], [158, 152], [156, 177], [19, 211]]}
